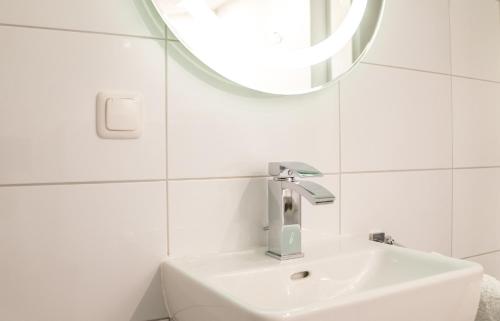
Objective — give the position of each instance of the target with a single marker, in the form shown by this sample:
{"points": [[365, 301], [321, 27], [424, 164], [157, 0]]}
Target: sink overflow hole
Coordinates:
{"points": [[300, 275]]}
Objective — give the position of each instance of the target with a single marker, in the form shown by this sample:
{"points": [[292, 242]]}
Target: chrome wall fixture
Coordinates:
{"points": [[285, 193]]}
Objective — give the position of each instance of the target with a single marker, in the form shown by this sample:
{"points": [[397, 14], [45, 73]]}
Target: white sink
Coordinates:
{"points": [[341, 279]]}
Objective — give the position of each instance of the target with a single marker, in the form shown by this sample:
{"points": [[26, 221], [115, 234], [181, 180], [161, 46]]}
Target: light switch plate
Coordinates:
{"points": [[119, 115], [122, 114]]}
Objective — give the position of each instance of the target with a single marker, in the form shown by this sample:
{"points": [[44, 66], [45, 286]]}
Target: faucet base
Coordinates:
{"points": [[284, 257]]}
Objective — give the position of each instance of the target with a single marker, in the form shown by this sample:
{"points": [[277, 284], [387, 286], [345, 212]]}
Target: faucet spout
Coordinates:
{"points": [[284, 206], [313, 192]]}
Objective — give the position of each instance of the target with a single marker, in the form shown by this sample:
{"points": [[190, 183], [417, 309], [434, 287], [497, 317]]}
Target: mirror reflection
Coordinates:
{"points": [[275, 46]]}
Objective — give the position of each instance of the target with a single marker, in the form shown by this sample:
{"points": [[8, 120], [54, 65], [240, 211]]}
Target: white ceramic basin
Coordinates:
{"points": [[342, 279]]}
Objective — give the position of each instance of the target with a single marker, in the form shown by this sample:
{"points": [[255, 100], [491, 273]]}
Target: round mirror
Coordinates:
{"points": [[275, 46]]}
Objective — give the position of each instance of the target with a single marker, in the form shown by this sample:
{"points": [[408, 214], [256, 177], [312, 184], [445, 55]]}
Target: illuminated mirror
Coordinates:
{"points": [[275, 46]]}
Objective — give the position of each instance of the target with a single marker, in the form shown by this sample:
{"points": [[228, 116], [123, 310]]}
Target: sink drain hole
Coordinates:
{"points": [[300, 275]]}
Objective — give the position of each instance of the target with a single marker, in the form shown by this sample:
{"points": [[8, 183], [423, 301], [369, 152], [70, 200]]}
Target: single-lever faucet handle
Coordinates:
{"points": [[292, 169]]}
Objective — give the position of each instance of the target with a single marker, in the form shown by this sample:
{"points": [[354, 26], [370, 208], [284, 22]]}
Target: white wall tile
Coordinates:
{"points": [[476, 211], [49, 81], [490, 262], [476, 115], [223, 215], [82, 252], [413, 207], [413, 34], [132, 17], [214, 132], [475, 30], [395, 119]]}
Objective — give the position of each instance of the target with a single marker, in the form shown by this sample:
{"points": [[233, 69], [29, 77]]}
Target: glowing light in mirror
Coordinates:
{"points": [[272, 46], [275, 57]]}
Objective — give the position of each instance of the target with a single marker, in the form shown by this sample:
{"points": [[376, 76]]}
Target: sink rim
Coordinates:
{"points": [[464, 269]]}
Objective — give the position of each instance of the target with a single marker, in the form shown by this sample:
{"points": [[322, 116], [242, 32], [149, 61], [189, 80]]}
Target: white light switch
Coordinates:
{"points": [[119, 115], [122, 114]]}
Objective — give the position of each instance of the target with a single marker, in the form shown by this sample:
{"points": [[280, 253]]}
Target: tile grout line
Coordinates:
{"points": [[340, 159], [324, 174], [452, 218], [84, 183], [338, 173], [431, 72], [233, 177], [239, 177], [475, 167], [474, 78], [452, 236], [450, 63], [79, 31], [181, 179], [396, 170], [406, 68], [421, 169], [481, 254], [167, 196]]}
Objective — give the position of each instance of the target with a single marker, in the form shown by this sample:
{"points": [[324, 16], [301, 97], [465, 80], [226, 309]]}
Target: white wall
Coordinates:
{"points": [[408, 141], [83, 222]]}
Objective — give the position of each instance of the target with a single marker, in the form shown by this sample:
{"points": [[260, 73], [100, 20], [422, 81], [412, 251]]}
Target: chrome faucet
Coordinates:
{"points": [[284, 206]]}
